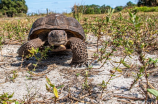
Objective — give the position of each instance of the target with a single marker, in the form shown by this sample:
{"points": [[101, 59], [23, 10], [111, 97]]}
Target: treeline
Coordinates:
{"points": [[147, 3], [11, 8], [96, 9]]}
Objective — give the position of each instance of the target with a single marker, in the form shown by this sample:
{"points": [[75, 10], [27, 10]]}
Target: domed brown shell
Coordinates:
{"points": [[56, 22]]}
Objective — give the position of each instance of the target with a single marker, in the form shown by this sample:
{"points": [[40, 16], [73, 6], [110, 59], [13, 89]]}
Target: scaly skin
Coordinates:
{"points": [[35, 43], [79, 51]]}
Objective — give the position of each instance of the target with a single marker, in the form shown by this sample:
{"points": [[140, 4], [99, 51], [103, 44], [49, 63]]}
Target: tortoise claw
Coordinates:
{"points": [[79, 65]]}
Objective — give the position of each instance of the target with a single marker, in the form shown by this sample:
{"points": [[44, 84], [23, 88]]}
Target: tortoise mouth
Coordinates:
{"points": [[57, 43]]}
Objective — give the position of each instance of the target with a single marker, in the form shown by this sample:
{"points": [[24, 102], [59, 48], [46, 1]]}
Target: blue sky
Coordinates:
{"points": [[59, 6]]}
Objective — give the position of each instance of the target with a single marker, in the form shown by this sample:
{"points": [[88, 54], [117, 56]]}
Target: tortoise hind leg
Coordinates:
{"points": [[24, 49], [79, 51]]}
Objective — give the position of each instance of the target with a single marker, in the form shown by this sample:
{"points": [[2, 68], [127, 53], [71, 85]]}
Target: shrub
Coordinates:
{"points": [[146, 9]]}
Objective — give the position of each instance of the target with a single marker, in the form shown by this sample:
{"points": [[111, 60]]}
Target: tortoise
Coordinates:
{"points": [[58, 31]]}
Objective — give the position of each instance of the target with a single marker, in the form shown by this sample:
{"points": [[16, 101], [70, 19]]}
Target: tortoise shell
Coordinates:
{"points": [[56, 22]]}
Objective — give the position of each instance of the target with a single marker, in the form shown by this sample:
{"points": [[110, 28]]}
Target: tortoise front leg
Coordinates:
{"points": [[24, 49], [79, 50]]}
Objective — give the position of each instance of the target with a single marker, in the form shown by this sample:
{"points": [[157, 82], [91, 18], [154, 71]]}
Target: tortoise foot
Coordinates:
{"points": [[24, 49], [79, 51]]}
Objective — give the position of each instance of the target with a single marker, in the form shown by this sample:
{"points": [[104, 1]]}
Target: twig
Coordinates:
{"points": [[125, 101], [62, 97], [84, 96], [73, 98], [151, 86], [144, 88], [132, 98], [153, 70]]}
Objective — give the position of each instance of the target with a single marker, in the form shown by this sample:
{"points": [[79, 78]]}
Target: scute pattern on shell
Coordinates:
{"points": [[56, 21]]}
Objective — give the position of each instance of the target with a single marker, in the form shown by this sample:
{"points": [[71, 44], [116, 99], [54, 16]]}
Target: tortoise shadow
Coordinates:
{"points": [[62, 58]]}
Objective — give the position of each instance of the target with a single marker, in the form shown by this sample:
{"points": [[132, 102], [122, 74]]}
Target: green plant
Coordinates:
{"points": [[29, 97], [1, 42], [112, 74], [14, 76], [52, 89], [138, 41], [42, 53], [146, 9], [103, 86], [78, 12], [10, 8], [130, 33], [85, 83], [152, 63], [154, 92], [5, 98]]}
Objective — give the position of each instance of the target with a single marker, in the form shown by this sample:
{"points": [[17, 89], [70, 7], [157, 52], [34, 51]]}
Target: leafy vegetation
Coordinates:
{"points": [[146, 9], [5, 98], [147, 3], [33, 53], [96, 9], [154, 92], [12, 8], [52, 89], [133, 35]]}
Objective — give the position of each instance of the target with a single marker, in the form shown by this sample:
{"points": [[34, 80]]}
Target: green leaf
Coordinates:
{"points": [[139, 75], [119, 70], [77, 74], [126, 65], [154, 92], [16, 102], [112, 75], [52, 85], [130, 14], [10, 96], [136, 18], [60, 86], [138, 25], [55, 92], [141, 69], [103, 82], [48, 80], [47, 88], [107, 19], [34, 65]]}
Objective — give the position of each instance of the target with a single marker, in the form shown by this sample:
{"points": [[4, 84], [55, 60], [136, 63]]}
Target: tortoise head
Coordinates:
{"points": [[57, 37]]}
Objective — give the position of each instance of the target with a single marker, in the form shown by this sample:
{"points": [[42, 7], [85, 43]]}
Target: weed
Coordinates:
{"points": [[27, 99], [42, 53], [1, 42], [132, 34], [14, 76], [78, 12], [85, 83], [53, 89], [5, 98]]}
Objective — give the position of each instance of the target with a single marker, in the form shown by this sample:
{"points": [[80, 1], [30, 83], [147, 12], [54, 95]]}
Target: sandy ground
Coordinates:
{"points": [[56, 67]]}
